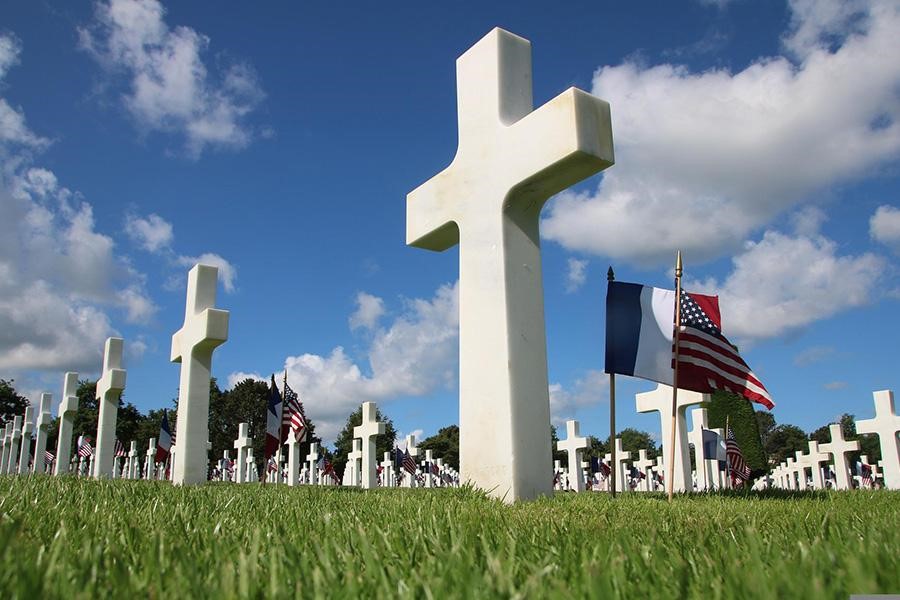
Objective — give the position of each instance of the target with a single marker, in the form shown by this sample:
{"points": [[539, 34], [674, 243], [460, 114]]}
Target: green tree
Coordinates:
{"points": [[869, 445], [743, 420], [344, 443], [558, 454], [444, 445], [85, 422], [634, 440], [765, 422], [12, 403], [784, 441]]}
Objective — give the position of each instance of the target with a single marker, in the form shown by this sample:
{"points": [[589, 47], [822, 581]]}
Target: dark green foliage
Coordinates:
{"points": [[12, 403], [75, 538], [344, 443], [765, 422], [784, 442], [743, 421], [444, 445], [634, 440]]}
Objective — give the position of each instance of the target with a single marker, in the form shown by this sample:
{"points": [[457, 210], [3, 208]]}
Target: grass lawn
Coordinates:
{"points": [[62, 537]]}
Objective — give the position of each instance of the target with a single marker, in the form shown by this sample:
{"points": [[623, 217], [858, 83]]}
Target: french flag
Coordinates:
{"points": [[164, 442], [639, 326], [274, 418]]}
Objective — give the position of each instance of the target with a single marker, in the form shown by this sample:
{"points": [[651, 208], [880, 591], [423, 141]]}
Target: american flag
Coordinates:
{"points": [[740, 472], [706, 359], [434, 469], [327, 469], [119, 449], [271, 466], [408, 463], [865, 473], [637, 473], [292, 416], [84, 447], [48, 456]]}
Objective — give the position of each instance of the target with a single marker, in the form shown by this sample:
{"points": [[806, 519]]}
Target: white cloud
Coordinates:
{"points": [[227, 271], [783, 283], [369, 309], [576, 274], [415, 355], [835, 385], [706, 159], [593, 388], [813, 355], [884, 226], [239, 376], [401, 437], [170, 86], [58, 275], [152, 233]]}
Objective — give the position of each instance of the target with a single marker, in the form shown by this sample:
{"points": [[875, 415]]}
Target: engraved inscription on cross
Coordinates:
{"points": [[510, 160], [205, 328]]}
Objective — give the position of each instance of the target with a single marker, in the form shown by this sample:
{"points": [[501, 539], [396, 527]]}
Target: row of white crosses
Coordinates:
{"points": [[15, 456]]}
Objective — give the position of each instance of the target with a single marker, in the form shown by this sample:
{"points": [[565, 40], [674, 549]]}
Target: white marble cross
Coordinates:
{"points": [[13, 443], [510, 160], [68, 407], [838, 447], [205, 328], [621, 458], [42, 424], [25, 449], [4, 458], [312, 459], [134, 465], [367, 431], [150, 460], [814, 459], [387, 468], [573, 445], [643, 464], [440, 467], [354, 460], [800, 464], [660, 400], [429, 480], [242, 444], [886, 425], [250, 464], [109, 388]]}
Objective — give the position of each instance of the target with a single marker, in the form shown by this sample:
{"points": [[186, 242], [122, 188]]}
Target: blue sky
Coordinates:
{"points": [[280, 143]]}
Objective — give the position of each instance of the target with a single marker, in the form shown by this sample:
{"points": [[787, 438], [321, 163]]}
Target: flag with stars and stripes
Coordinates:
{"points": [[707, 361], [740, 472], [49, 457], [293, 417], [84, 446], [119, 449]]}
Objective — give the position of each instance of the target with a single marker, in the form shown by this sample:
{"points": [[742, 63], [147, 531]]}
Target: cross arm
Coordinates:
{"points": [[206, 331]]}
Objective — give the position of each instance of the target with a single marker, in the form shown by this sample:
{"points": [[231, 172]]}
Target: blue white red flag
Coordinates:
{"points": [[274, 416], [164, 441], [639, 342]]}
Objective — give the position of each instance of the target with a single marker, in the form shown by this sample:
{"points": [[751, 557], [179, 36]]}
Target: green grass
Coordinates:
{"points": [[83, 539]]}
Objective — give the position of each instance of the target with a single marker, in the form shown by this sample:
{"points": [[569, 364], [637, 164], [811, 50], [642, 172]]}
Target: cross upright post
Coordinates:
{"points": [[15, 436], [366, 431], [886, 425], [68, 407], [205, 328], [25, 449], [41, 425], [109, 388], [510, 160], [242, 444], [312, 459]]}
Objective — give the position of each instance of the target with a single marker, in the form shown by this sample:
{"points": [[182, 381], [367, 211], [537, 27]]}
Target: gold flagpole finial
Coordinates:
{"points": [[678, 265]]}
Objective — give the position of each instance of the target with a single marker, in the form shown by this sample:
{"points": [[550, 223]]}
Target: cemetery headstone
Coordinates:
{"points": [[41, 425], [14, 440], [367, 431], [886, 424], [205, 328], [25, 449], [510, 160], [838, 447], [109, 388], [573, 445], [68, 407], [243, 444]]}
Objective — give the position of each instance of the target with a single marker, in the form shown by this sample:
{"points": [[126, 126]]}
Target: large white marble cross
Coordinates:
{"points": [[838, 447], [293, 475], [205, 328], [109, 388], [660, 400], [150, 460], [387, 468], [312, 459], [242, 444], [25, 449], [134, 465], [510, 160], [42, 424], [800, 464], [353, 463], [886, 425], [573, 446], [621, 458], [68, 407], [366, 431]]}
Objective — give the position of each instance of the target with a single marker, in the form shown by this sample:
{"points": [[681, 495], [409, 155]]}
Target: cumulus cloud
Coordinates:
{"points": [[239, 376], [592, 388], [416, 354], [576, 274], [402, 435], [227, 271], [369, 309], [783, 282], [152, 233], [706, 159], [170, 87], [884, 226], [58, 275]]}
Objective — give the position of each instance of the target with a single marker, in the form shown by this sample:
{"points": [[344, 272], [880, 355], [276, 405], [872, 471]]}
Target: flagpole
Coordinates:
{"points": [[611, 276], [677, 336]]}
